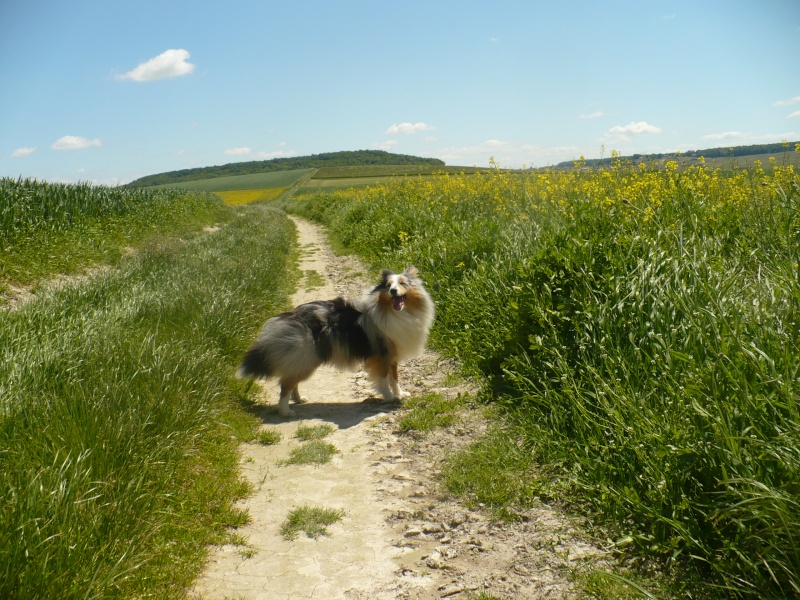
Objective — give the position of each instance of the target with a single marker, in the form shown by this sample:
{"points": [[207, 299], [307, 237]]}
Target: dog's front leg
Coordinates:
{"points": [[394, 383]]}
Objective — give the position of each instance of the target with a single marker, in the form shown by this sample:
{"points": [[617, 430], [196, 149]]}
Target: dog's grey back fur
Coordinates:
{"points": [[293, 344]]}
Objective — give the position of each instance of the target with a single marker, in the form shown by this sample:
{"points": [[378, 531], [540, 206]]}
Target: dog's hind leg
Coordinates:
{"points": [[296, 396], [288, 390]]}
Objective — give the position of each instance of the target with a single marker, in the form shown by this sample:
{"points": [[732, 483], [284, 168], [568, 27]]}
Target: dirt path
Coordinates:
{"points": [[399, 537]]}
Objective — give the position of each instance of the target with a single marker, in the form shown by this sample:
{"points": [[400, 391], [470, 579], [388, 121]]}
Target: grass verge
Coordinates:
{"points": [[120, 415], [427, 412], [639, 325]]}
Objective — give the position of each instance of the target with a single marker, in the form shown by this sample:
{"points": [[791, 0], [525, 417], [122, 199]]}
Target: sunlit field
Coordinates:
{"points": [[239, 197], [119, 412], [49, 229], [640, 326]]}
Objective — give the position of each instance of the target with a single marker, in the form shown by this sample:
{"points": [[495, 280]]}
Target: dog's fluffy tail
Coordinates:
{"points": [[256, 364]]}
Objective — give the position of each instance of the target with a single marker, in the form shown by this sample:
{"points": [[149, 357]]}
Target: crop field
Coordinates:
{"points": [[754, 161], [381, 171], [51, 228], [119, 414], [239, 197], [640, 327], [257, 181]]}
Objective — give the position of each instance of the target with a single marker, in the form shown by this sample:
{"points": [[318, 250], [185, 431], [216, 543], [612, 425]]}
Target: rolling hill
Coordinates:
{"points": [[314, 161]]}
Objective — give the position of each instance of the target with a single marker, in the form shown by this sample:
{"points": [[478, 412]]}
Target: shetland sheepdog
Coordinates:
{"points": [[389, 324]]}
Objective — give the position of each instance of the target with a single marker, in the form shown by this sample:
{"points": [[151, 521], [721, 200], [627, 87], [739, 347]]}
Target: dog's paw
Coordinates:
{"points": [[286, 412], [401, 393]]}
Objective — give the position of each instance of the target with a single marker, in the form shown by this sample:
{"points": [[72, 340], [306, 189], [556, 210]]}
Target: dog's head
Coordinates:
{"points": [[397, 288]]}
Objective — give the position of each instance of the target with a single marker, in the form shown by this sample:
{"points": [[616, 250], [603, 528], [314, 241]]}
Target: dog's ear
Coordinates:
{"points": [[385, 274], [411, 271]]}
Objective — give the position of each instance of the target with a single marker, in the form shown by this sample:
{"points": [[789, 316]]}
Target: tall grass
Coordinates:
{"points": [[641, 326], [50, 228], [119, 413]]}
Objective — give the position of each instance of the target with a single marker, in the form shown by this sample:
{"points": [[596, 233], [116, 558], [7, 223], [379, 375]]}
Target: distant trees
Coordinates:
{"points": [[721, 152], [328, 159]]}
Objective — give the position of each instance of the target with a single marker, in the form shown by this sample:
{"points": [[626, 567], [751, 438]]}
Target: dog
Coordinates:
{"points": [[389, 324]]}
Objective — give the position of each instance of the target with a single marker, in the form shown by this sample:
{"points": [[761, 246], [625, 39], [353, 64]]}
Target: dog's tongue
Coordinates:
{"points": [[399, 302]]}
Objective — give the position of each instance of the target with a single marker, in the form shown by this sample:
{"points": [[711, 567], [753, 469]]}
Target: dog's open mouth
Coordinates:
{"points": [[399, 302]]}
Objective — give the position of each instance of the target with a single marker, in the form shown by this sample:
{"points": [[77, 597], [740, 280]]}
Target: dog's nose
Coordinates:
{"points": [[393, 291]]}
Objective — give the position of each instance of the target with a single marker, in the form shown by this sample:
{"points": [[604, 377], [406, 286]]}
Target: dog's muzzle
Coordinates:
{"points": [[398, 301]]}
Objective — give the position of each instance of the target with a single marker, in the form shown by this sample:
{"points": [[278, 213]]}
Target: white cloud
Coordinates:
{"points": [[171, 63], [596, 114], [640, 128], [508, 155], [275, 154], [751, 138], [237, 151], [387, 145], [789, 102], [793, 115], [408, 128], [725, 135], [20, 152], [74, 142]]}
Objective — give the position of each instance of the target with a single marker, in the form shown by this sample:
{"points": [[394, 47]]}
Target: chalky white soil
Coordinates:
{"points": [[401, 536]]}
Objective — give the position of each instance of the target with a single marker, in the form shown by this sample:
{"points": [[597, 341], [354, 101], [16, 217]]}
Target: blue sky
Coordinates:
{"points": [[108, 91]]}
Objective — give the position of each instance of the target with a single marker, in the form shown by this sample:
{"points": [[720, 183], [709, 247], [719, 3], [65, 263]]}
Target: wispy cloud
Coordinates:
{"points": [[74, 142], [751, 138], [793, 115], [725, 135], [237, 151], [789, 102], [408, 128], [507, 154], [20, 152], [275, 154], [640, 128], [172, 63], [385, 145], [595, 115]]}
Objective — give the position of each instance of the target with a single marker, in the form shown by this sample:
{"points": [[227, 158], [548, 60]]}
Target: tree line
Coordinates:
{"points": [[327, 159], [721, 152]]}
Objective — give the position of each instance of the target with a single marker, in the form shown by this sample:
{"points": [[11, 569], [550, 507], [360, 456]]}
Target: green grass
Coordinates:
{"points": [[268, 437], [312, 280], [57, 229], [497, 471], [313, 432], [313, 452], [120, 415], [256, 181], [310, 519], [639, 327], [428, 412]]}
